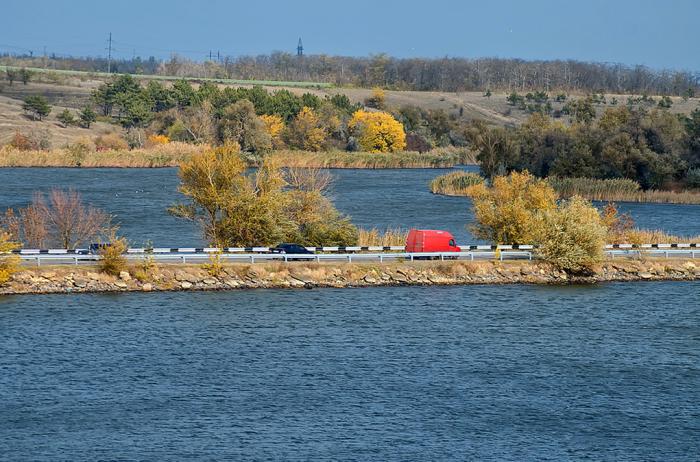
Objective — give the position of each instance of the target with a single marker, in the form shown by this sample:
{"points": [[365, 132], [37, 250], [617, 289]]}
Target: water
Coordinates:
{"points": [[607, 372], [374, 198]]}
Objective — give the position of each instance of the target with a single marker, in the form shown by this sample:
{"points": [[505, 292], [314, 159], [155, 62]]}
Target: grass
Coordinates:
{"points": [[268, 83], [607, 190], [647, 236], [389, 237], [166, 155]]}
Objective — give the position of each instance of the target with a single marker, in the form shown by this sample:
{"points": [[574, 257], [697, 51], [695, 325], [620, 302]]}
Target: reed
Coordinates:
{"points": [[388, 237], [366, 160], [164, 155], [618, 190], [649, 236], [605, 190], [455, 183]]}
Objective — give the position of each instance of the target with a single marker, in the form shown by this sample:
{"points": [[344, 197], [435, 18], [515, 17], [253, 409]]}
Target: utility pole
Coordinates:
{"points": [[109, 55]]}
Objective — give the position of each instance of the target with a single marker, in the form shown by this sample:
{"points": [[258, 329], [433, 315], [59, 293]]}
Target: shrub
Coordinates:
{"points": [[156, 140], [112, 259], [214, 267], [571, 237], [693, 178], [66, 117], [377, 100], [87, 116], [8, 262], [508, 212], [35, 140], [110, 142]]}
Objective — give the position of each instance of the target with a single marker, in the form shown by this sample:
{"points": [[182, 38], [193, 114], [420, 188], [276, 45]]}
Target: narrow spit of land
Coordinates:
{"points": [[72, 279]]}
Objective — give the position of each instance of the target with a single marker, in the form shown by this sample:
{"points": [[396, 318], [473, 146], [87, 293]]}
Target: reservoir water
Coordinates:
{"points": [[138, 198], [608, 372]]}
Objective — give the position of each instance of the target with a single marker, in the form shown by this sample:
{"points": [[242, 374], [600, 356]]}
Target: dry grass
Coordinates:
{"points": [[165, 155], [389, 237], [646, 236], [342, 159]]}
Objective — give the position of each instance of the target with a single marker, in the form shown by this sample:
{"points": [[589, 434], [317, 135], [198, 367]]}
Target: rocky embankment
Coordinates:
{"points": [[72, 279]]}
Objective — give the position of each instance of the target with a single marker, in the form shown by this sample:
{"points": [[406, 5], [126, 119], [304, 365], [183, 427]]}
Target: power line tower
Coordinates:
{"points": [[300, 48], [109, 55]]}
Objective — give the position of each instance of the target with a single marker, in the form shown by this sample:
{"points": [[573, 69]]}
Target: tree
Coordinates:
{"points": [[87, 116], [377, 131], [12, 75], [63, 221], [37, 106], [25, 75], [66, 117], [240, 124], [237, 208], [305, 131], [274, 124]]}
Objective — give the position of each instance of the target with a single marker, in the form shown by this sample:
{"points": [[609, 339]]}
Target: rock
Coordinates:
{"points": [[147, 287], [646, 275], [93, 276], [689, 266], [186, 285], [121, 284], [80, 283], [210, 281], [232, 283], [370, 280], [49, 274], [124, 276]]}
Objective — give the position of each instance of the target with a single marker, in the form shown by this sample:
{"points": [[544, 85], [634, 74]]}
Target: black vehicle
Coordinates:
{"points": [[295, 249]]}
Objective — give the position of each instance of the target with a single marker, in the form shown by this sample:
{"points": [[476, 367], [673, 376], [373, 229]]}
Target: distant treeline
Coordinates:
{"points": [[442, 74]]}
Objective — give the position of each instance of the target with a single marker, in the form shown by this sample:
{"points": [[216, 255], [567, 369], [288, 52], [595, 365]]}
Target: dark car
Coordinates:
{"points": [[295, 249]]}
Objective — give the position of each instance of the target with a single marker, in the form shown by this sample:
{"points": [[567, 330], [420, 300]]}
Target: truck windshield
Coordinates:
{"points": [[452, 243]]}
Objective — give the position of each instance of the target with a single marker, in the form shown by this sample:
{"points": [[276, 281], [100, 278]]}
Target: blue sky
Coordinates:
{"points": [[660, 34]]}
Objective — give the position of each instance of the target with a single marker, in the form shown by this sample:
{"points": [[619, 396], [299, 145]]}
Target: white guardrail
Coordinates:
{"points": [[346, 254]]}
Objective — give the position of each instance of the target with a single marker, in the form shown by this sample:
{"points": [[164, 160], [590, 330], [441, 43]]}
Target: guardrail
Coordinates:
{"points": [[342, 254]]}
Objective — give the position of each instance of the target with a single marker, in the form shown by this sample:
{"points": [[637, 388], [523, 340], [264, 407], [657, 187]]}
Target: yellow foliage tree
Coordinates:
{"points": [[377, 131], [509, 211], [305, 131], [8, 261], [274, 124]]}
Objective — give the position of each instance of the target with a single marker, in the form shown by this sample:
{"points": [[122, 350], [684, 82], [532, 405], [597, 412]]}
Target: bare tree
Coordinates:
{"points": [[61, 220], [308, 179]]}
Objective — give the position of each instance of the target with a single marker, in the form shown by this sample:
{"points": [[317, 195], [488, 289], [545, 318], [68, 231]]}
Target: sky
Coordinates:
{"points": [[659, 34]]}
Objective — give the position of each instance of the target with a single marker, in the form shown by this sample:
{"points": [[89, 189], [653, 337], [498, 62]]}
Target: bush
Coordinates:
{"points": [[110, 142], [693, 178], [37, 106], [8, 262], [35, 140], [572, 236], [66, 118], [113, 261]]}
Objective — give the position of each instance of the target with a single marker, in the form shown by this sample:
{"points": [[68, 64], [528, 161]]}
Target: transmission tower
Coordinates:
{"points": [[109, 55], [300, 48]]}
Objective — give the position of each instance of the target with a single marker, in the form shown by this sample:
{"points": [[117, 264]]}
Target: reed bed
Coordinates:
{"points": [[165, 155], [367, 160], [607, 190], [455, 183], [388, 237], [649, 236], [619, 190]]}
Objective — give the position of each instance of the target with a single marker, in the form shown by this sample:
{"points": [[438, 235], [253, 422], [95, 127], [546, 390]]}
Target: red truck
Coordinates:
{"points": [[430, 240]]}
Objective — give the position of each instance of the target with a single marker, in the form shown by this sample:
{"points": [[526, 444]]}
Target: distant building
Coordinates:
{"points": [[300, 48]]}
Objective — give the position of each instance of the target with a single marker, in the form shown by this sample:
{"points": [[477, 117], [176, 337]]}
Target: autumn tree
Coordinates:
{"points": [[377, 131], [274, 125], [8, 261], [240, 208], [305, 131]]}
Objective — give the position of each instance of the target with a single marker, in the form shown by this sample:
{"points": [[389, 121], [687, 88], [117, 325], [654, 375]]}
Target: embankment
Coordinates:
{"points": [[72, 279]]}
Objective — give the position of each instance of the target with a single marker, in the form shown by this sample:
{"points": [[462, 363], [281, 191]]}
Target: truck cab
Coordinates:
{"points": [[431, 240]]}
